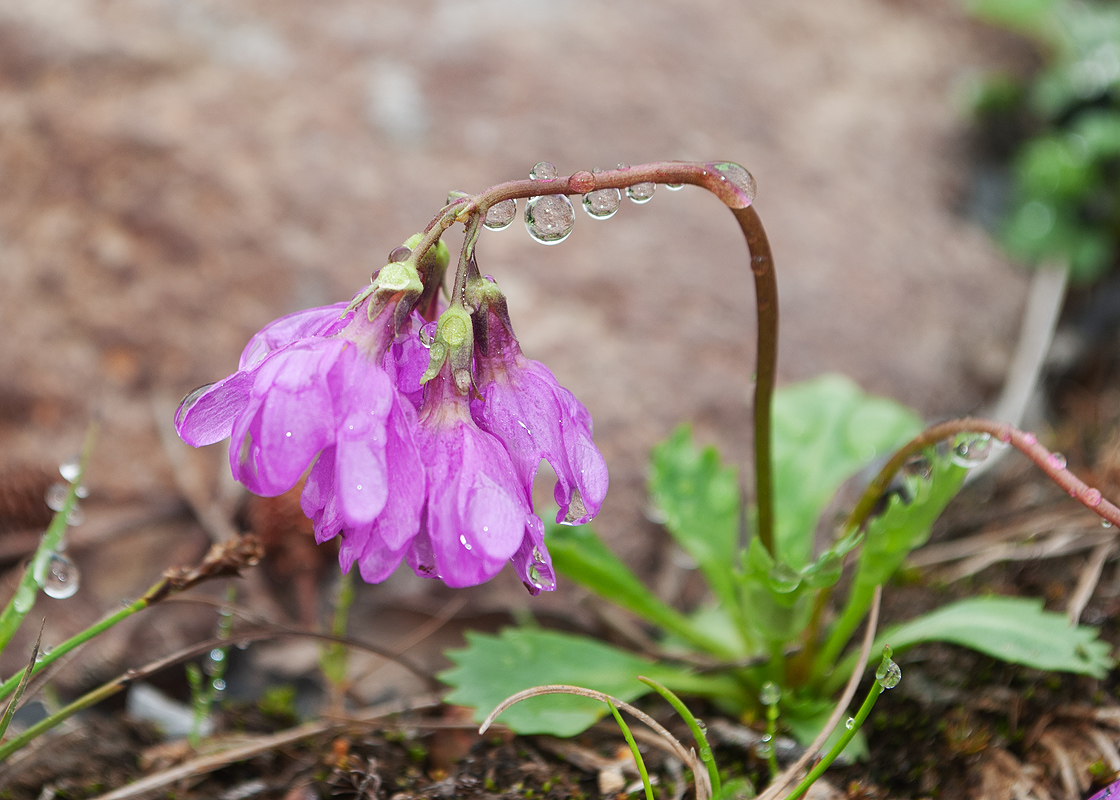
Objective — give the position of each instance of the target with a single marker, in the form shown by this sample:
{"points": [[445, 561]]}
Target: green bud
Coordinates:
{"points": [[453, 344]]}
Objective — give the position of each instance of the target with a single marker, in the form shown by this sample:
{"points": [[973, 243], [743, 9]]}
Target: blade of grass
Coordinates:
{"points": [[633, 750], [34, 575], [702, 745]]}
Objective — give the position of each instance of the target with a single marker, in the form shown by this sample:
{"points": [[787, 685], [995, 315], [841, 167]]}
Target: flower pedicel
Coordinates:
{"points": [[418, 452]]}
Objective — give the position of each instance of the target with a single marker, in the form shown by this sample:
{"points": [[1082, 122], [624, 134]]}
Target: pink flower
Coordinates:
{"points": [[398, 460]]}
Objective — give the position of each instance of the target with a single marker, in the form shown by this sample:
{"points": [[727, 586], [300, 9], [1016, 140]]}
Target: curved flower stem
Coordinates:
{"points": [[766, 300], [1026, 443], [734, 187]]}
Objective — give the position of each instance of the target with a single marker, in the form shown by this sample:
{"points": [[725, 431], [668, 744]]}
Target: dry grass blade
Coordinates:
{"points": [[1036, 523], [797, 769], [13, 704], [1090, 577], [1062, 759], [263, 744]]}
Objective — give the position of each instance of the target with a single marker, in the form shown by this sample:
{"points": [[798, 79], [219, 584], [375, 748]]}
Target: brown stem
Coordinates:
{"points": [[719, 179], [766, 300]]}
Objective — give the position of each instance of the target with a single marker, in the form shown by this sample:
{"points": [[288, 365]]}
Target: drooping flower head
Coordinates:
{"points": [[398, 459], [522, 404]]}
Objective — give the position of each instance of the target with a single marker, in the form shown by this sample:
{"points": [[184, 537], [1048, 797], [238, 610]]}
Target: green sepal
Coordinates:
{"points": [[453, 344]]}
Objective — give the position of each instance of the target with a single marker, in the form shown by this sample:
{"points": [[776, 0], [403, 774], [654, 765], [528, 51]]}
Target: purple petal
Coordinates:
{"points": [[537, 418], [318, 501], [376, 559], [407, 362], [399, 522], [476, 509], [361, 471], [532, 561], [279, 333], [206, 415], [290, 416]]}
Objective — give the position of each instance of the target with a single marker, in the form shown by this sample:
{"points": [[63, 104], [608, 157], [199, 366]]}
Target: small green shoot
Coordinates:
{"points": [[633, 749]]}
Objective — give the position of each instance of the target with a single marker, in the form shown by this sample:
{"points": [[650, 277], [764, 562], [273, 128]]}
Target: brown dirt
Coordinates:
{"points": [[174, 176]]}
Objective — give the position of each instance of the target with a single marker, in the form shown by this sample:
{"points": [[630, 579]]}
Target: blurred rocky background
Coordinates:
{"points": [[176, 173]]}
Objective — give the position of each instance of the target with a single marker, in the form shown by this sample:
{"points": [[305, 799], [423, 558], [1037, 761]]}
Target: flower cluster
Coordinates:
{"points": [[415, 447]]}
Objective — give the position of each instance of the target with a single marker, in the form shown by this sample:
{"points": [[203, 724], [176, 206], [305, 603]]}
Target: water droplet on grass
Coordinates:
{"points": [[63, 578], [770, 694], [70, 468], [851, 723], [56, 496], [888, 674]]}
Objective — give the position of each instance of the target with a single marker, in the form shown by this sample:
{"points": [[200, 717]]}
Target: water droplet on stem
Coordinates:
{"points": [[737, 176], [543, 171], [770, 694], [501, 215], [602, 204], [971, 450], [888, 674], [641, 193], [549, 218]]}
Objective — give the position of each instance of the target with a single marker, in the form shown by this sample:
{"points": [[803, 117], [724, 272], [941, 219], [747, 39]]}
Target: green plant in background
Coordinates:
{"points": [[1065, 127], [764, 636]]}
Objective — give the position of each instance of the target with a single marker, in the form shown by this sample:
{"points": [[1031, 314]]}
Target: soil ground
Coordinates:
{"points": [[177, 174]]}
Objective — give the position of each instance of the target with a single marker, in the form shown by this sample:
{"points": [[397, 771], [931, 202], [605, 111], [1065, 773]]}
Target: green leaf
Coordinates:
{"points": [[491, 668], [906, 523], [1012, 629], [580, 554], [825, 430], [700, 500]]}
